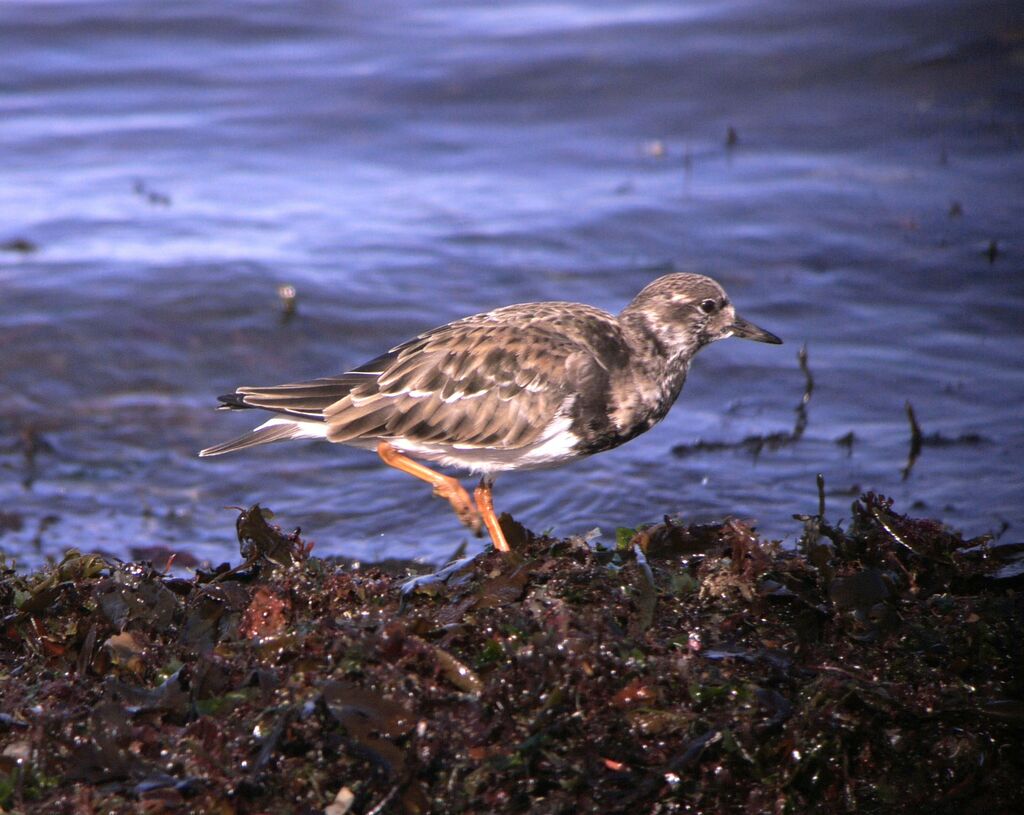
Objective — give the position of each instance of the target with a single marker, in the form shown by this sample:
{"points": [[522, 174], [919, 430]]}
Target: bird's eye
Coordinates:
{"points": [[709, 306]]}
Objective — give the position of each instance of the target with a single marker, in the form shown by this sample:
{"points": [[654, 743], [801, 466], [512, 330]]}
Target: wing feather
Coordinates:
{"points": [[495, 380]]}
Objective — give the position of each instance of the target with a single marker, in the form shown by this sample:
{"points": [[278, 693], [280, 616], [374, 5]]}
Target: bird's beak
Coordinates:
{"points": [[748, 331]]}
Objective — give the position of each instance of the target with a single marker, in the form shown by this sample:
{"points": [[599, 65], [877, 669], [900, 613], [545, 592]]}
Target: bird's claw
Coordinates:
{"points": [[462, 506], [471, 518]]}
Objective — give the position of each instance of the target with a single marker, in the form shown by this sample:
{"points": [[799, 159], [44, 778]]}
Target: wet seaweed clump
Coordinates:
{"points": [[700, 669]]}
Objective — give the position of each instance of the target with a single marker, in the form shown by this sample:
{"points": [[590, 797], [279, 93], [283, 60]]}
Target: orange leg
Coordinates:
{"points": [[485, 503], [444, 486]]}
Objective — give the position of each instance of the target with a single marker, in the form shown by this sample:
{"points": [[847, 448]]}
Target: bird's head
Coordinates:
{"points": [[686, 312]]}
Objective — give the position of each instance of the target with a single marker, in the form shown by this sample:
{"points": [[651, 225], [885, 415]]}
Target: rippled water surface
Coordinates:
{"points": [[402, 164]]}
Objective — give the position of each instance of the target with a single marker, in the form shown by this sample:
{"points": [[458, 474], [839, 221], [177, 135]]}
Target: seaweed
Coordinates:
{"points": [[871, 668], [755, 444]]}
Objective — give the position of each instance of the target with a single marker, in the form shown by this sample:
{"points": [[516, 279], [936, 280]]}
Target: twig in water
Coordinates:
{"points": [[773, 441], [915, 441], [801, 409]]}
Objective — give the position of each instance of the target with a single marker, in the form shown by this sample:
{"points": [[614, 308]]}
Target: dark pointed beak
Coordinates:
{"points": [[748, 331]]}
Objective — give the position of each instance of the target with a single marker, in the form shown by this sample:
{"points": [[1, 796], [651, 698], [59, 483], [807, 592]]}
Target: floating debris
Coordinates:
{"points": [[847, 440], [150, 196], [11, 522], [22, 246], [654, 148], [772, 441], [919, 440], [287, 295], [915, 440], [992, 251]]}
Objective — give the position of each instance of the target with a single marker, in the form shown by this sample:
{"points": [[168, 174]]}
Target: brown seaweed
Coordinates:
{"points": [[875, 668]]}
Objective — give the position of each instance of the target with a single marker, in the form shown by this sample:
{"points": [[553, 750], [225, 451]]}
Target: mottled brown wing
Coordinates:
{"points": [[478, 382], [491, 380], [304, 400]]}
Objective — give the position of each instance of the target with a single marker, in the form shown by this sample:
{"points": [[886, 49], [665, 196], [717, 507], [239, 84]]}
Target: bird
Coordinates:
{"points": [[520, 387]]}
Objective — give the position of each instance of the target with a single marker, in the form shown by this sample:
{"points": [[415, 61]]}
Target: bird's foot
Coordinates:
{"points": [[456, 495]]}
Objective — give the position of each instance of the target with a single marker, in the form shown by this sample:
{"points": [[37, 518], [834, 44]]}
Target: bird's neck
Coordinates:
{"points": [[668, 347], [660, 360]]}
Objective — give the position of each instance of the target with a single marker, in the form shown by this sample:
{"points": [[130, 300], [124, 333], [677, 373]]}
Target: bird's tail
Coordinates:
{"points": [[274, 430]]}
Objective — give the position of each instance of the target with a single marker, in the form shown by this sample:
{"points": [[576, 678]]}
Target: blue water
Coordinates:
{"points": [[402, 164]]}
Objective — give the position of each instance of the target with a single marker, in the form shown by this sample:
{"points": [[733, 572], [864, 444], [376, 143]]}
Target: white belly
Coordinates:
{"points": [[555, 446]]}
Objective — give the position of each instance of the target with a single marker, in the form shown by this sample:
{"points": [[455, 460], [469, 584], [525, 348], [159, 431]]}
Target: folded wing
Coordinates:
{"points": [[478, 382]]}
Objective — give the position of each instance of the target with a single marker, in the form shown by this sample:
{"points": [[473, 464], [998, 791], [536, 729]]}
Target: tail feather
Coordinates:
{"points": [[264, 434], [231, 401]]}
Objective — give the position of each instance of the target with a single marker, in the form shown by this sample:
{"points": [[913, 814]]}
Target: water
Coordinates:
{"points": [[403, 164]]}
